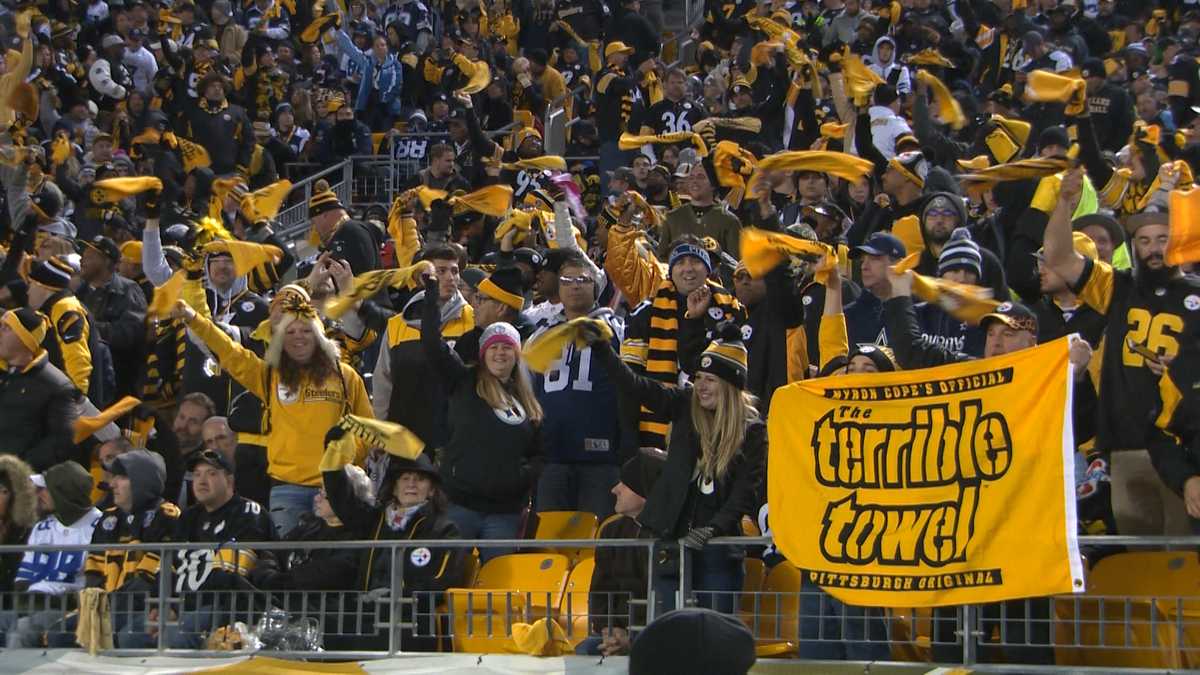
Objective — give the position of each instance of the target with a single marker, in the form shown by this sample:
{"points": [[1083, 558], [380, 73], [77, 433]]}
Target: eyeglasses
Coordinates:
{"points": [[941, 212], [575, 281]]}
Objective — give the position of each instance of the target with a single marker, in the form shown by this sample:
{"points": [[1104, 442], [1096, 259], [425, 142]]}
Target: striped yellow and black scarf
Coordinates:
{"points": [[164, 381], [659, 353]]}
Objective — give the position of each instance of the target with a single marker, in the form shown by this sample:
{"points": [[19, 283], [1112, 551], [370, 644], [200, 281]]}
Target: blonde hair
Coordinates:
{"points": [[722, 430], [496, 394]]}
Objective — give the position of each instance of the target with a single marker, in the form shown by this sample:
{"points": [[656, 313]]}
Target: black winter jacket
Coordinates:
{"points": [[677, 503], [39, 406]]}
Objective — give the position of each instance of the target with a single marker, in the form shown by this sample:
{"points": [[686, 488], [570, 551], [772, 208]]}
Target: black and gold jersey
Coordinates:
{"points": [[218, 567], [116, 570], [1160, 318], [668, 117], [615, 96]]}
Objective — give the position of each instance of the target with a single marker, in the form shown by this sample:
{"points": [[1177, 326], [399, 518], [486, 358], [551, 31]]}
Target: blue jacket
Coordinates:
{"points": [[390, 75], [864, 321]]}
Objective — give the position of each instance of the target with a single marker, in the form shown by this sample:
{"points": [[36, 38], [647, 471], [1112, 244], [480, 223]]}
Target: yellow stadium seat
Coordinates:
{"points": [[750, 528], [912, 633], [778, 612], [751, 590], [519, 587], [377, 141], [1127, 617], [573, 612], [567, 525]]}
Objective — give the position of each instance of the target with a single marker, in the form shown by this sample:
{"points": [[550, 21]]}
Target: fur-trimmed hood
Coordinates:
{"points": [[22, 505], [275, 347]]}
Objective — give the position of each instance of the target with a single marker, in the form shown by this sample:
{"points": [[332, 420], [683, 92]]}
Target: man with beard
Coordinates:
{"points": [[1154, 307], [942, 214], [223, 129]]}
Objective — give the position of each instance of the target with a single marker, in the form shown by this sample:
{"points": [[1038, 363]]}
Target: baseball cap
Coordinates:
{"points": [[103, 245], [616, 47], [1014, 315], [1082, 244], [210, 457], [112, 41], [1093, 67], [826, 208], [880, 243]]}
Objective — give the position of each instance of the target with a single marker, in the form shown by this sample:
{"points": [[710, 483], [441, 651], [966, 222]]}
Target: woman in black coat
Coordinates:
{"points": [[410, 505], [714, 468]]}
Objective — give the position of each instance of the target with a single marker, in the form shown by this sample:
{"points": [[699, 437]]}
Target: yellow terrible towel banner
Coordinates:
{"points": [[246, 254], [1043, 86], [949, 110], [544, 352], [843, 165], [492, 200], [111, 190], [762, 251], [922, 488], [1183, 246]]}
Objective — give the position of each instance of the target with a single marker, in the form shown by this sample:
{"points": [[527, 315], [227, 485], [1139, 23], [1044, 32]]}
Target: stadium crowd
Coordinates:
{"points": [[174, 371]]}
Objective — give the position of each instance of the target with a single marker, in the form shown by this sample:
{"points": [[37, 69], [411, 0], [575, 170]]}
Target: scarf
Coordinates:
{"points": [[659, 354]]}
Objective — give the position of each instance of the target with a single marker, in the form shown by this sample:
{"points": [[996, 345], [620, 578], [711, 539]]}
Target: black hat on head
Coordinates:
{"points": [[210, 457], [504, 285], [693, 640], [641, 471], [726, 356], [421, 465], [103, 245]]}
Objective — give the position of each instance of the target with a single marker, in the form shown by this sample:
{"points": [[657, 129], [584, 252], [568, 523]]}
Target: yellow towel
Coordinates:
{"points": [[94, 630], [1184, 244], [630, 141], [263, 203], [840, 164], [392, 438], [908, 231], [479, 75], [541, 353], [492, 200], [1045, 87], [111, 190], [949, 109], [860, 80], [544, 163], [166, 296], [762, 251], [86, 426], [369, 283], [246, 255], [961, 301], [194, 155], [985, 179]]}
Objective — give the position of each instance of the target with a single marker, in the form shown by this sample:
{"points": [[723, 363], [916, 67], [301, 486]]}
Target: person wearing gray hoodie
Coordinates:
{"points": [[140, 515]]}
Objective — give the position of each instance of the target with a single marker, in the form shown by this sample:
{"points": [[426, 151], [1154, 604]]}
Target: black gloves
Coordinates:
{"points": [[698, 537]]}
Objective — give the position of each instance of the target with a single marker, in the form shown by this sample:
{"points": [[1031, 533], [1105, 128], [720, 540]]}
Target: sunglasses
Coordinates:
{"points": [[941, 212], [574, 281]]}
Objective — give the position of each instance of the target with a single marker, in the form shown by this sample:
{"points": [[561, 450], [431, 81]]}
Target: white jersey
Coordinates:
{"points": [[57, 572]]}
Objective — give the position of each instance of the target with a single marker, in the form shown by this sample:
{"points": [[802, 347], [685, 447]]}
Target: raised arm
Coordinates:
{"points": [[441, 356], [243, 364], [655, 395], [1059, 248]]}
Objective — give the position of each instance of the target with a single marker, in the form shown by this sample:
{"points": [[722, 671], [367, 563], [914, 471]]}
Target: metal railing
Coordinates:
{"points": [[789, 616]]}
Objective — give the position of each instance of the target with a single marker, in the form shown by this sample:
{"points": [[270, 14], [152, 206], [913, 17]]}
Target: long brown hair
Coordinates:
{"points": [[318, 369], [500, 395], [722, 430]]}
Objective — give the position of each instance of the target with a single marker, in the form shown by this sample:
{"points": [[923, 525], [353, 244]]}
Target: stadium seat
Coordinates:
{"points": [[509, 588], [778, 612], [912, 633], [567, 525], [573, 612], [1128, 616]]}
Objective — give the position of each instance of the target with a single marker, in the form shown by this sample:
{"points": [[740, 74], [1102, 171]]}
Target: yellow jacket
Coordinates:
{"points": [[631, 265], [15, 76], [69, 341], [294, 430], [833, 338]]}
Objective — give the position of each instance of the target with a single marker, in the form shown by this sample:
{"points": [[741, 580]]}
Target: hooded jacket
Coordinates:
{"points": [[70, 486], [39, 405], [151, 520], [892, 72], [993, 272], [14, 474]]}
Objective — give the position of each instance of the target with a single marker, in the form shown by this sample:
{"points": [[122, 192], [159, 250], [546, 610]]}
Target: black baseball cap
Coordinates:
{"points": [[104, 245], [880, 243], [210, 457], [1014, 315]]}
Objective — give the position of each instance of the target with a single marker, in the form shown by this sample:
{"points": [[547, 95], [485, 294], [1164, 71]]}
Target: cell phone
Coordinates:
{"points": [[1141, 350]]}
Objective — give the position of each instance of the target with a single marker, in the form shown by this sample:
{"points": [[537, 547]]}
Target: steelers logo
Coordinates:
{"points": [[706, 362], [420, 556], [716, 313], [1192, 302], [747, 331], [514, 414], [285, 394], [866, 349], [1004, 307], [807, 300]]}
